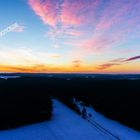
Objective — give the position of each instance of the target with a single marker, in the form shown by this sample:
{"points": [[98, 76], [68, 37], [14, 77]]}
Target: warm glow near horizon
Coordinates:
{"points": [[77, 36]]}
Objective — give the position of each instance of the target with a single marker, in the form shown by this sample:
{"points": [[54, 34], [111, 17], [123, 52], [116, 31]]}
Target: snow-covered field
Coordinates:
{"points": [[67, 125], [7, 77], [123, 132], [116, 129]]}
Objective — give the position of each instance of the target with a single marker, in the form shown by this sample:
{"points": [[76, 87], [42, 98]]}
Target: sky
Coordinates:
{"points": [[70, 36]]}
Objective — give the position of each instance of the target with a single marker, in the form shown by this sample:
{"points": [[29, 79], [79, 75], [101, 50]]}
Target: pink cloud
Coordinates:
{"points": [[95, 25], [66, 13], [91, 46], [113, 14], [65, 17], [76, 12], [47, 10], [94, 45]]}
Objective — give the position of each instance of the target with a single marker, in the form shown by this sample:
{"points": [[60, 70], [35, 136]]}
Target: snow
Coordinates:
{"points": [[117, 129], [64, 125], [7, 77], [67, 125]]}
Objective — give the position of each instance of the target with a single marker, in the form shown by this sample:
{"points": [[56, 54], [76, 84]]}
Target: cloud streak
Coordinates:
{"points": [[77, 63], [132, 58], [47, 10], [117, 62], [107, 65]]}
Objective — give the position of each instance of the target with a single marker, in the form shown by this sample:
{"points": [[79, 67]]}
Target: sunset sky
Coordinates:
{"points": [[92, 36]]}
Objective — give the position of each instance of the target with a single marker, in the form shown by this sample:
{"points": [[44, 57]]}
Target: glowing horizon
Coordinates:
{"points": [[70, 36]]}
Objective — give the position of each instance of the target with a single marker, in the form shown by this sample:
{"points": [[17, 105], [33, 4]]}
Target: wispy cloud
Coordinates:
{"points": [[77, 63], [132, 58], [19, 28], [107, 65], [95, 21], [54, 55], [66, 12], [19, 68], [116, 62], [16, 27], [65, 17], [26, 56], [87, 28], [47, 10], [113, 14], [76, 12]]}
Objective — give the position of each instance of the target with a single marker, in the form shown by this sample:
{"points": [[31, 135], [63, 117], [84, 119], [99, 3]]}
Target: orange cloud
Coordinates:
{"points": [[54, 55], [77, 63], [107, 65]]}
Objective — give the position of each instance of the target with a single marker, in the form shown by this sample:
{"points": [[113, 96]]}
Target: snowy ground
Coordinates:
{"points": [[8, 77], [67, 125], [115, 128]]}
